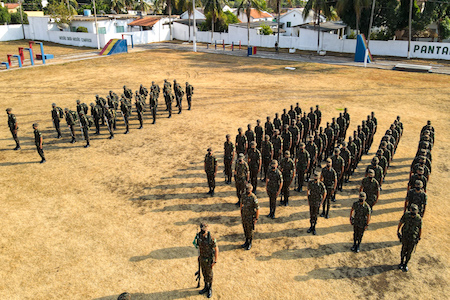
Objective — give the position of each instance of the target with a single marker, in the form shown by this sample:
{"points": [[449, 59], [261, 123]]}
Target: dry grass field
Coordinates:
{"points": [[122, 214]]}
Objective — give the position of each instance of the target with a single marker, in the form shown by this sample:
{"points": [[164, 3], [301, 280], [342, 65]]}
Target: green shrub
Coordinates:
{"points": [[82, 29]]}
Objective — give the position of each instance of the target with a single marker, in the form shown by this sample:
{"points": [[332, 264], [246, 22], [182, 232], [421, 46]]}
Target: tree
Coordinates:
{"points": [[117, 5], [214, 8], [265, 29], [247, 5], [357, 5], [319, 7], [187, 6], [16, 18], [5, 17], [142, 6], [32, 5], [278, 20], [60, 13]]}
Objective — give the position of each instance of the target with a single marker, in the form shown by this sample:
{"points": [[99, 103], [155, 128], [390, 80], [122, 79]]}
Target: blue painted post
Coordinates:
{"points": [[31, 55], [18, 60], [232, 46], [132, 43], [215, 45], [6, 64], [42, 51], [207, 45]]}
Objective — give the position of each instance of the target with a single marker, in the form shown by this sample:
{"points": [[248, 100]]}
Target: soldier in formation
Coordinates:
{"points": [[411, 230], [210, 166], [38, 142], [316, 195], [241, 176], [249, 214], [274, 182], [359, 218], [13, 127], [57, 113], [228, 157]]}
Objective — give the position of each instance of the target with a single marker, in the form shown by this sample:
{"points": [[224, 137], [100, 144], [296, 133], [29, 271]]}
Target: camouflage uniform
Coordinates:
{"points": [[210, 170], [254, 164], [189, 93], [269, 128], [124, 109], [359, 222], [110, 115], [287, 168], [267, 153], [12, 124], [274, 181], [259, 132], [71, 123], [277, 122], [37, 142], [329, 179], [250, 205], [277, 143], [140, 111], [241, 143], [228, 148], [418, 198], [338, 165], [286, 136], [85, 128], [370, 186], [207, 245], [316, 192], [410, 236], [295, 133], [96, 113], [303, 160], [56, 114], [415, 177], [312, 150], [240, 178]]}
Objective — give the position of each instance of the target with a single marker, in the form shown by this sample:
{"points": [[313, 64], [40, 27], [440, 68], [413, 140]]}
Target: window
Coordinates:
{"points": [[288, 24], [102, 30], [120, 29], [73, 28]]}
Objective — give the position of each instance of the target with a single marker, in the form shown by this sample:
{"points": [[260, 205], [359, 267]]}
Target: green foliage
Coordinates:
{"points": [[265, 30], [220, 25], [352, 35], [32, 5], [5, 17], [82, 29], [15, 18], [382, 35], [444, 29], [230, 18], [60, 13]]}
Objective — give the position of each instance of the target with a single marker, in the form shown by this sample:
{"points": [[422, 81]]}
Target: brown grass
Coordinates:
{"points": [[121, 215]]}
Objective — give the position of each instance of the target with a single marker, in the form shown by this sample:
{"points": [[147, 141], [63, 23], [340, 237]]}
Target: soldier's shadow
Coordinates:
{"points": [[169, 295], [345, 272]]}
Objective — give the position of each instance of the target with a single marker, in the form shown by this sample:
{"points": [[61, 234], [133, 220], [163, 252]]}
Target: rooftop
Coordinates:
{"points": [[145, 22]]}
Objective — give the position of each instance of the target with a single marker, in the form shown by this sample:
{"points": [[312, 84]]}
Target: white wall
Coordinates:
{"points": [[11, 32], [198, 15], [80, 39]]}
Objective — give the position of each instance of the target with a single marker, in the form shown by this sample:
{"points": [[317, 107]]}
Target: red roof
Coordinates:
{"points": [[12, 5], [259, 14], [147, 22]]}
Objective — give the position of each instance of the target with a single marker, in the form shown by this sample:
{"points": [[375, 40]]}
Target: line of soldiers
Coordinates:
{"points": [[371, 183], [104, 112], [416, 198]]}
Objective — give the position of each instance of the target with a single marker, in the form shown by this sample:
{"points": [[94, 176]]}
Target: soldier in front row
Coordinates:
{"points": [[140, 110], [189, 93], [287, 168], [359, 218], [38, 142], [211, 170], [302, 164], [110, 116], [241, 176], [228, 157], [84, 127], [254, 164], [125, 114], [274, 182], [249, 215], [56, 115], [316, 195], [267, 155], [411, 227], [96, 114], [207, 258], [418, 197], [329, 178], [13, 127], [71, 123]]}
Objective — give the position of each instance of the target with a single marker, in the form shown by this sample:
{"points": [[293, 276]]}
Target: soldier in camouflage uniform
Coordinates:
{"points": [[347, 157], [371, 188], [302, 165], [249, 134], [153, 101], [241, 176], [329, 178], [329, 132], [259, 133], [286, 136], [210, 167], [209, 252], [274, 182], [140, 110], [178, 94], [420, 161], [319, 143], [84, 127], [269, 128], [254, 164], [287, 168], [277, 143], [418, 197], [96, 115], [241, 142], [71, 123], [418, 176], [306, 125], [249, 215], [316, 195], [295, 133], [377, 169], [143, 92], [189, 93], [82, 107], [277, 122], [312, 117], [110, 116], [411, 227], [351, 146], [125, 114], [228, 157], [127, 92], [56, 115], [298, 110], [342, 126], [359, 218], [318, 116], [313, 152], [292, 114], [38, 142], [13, 127], [338, 164], [285, 119], [382, 161], [346, 116], [267, 155]]}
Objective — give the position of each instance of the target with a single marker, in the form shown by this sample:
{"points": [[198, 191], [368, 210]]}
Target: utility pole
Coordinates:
{"points": [[21, 17], [409, 25], [194, 40], [371, 21], [96, 25]]}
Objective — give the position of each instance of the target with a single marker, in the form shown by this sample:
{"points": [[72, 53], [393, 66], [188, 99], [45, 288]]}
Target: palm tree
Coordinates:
{"points": [[142, 6], [117, 5], [319, 7], [214, 7], [186, 5], [247, 5], [168, 5], [278, 20], [357, 6]]}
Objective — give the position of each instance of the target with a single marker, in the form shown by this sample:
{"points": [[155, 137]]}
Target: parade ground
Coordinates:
{"points": [[121, 215]]}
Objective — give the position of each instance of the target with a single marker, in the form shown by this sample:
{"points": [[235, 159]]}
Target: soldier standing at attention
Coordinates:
{"points": [[377, 170], [189, 93], [418, 197], [329, 178], [274, 182], [124, 110], [318, 116], [286, 135], [56, 115], [249, 215], [38, 142], [329, 132], [411, 226], [254, 164], [228, 157], [241, 176], [371, 188], [259, 133], [111, 118], [267, 154], [285, 118], [95, 113], [347, 120], [319, 143], [312, 117], [269, 128], [287, 168], [85, 127], [312, 150], [249, 134], [127, 92], [13, 127], [316, 195], [71, 123], [347, 157], [241, 142], [277, 143], [211, 170], [359, 218], [292, 114], [302, 163], [153, 102], [209, 252], [140, 110], [338, 165], [295, 132], [277, 122], [342, 126], [297, 109]]}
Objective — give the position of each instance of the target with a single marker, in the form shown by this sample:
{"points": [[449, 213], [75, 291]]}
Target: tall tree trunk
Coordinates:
{"points": [[212, 27], [189, 26], [278, 24], [358, 16], [248, 24], [170, 19]]}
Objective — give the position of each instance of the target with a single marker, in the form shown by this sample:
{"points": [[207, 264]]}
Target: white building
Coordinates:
{"points": [[198, 13], [294, 17]]}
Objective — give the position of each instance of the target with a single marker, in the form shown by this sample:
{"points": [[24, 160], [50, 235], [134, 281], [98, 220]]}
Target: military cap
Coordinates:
{"points": [[420, 169], [277, 131], [81, 112], [187, 83], [78, 101], [414, 208], [258, 121], [336, 150], [428, 122], [203, 224], [153, 82], [362, 195], [53, 104], [274, 162], [286, 126], [240, 129], [422, 157], [329, 160], [267, 137], [174, 80], [316, 174], [35, 124], [388, 131], [209, 149], [424, 145], [124, 296], [227, 136], [302, 144], [249, 186], [418, 183], [287, 153], [311, 138], [371, 172], [317, 106], [253, 143], [375, 160], [241, 155], [9, 109], [380, 151], [344, 144], [92, 104], [96, 96], [383, 144], [424, 151], [66, 109]]}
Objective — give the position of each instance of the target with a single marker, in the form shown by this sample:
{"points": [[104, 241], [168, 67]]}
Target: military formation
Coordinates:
{"points": [[105, 112]]}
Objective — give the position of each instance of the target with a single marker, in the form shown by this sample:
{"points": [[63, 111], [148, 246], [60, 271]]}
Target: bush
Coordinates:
{"points": [[352, 35], [5, 17], [381, 35], [15, 18], [82, 29], [265, 30]]}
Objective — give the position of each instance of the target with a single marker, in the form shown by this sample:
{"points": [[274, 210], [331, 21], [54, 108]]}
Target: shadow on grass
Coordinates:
{"points": [[169, 295], [345, 272]]}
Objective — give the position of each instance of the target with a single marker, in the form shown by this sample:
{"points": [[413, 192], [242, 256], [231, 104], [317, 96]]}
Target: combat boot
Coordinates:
{"points": [[209, 295], [249, 246], [357, 247], [309, 230], [245, 244], [405, 268], [212, 192], [205, 289], [314, 230], [354, 247]]}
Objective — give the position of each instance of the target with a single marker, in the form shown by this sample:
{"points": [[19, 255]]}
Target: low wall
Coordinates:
{"points": [[11, 32]]}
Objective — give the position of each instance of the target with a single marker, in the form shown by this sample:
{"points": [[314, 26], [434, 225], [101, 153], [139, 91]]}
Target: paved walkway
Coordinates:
{"points": [[298, 57]]}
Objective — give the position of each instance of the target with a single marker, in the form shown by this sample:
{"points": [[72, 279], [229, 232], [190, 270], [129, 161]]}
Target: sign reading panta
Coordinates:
{"points": [[431, 49]]}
